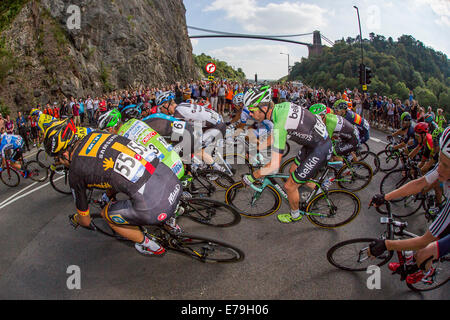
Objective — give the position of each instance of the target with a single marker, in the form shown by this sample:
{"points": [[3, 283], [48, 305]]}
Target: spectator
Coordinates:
{"points": [[90, 109], [430, 111], [81, 110], [56, 110], [76, 113], [440, 119], [414, 109], [2, 123], [221, 98], [21, 122], [420, 114], [213, 96], [358, 104], [390, 114], [9, 125]]}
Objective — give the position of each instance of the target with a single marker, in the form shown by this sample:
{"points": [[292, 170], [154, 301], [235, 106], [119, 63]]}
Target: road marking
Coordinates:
{"points": [[377, 140], [18, 193], [3, 204]]}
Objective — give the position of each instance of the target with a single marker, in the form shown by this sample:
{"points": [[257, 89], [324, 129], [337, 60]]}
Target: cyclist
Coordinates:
{"points": [[425, 145], [341, 108], [213, 127], [432, 252], [141, 133], [304, 128], [107, 161], [344, 134], [440, 227], [407, 130], [11, 146]]}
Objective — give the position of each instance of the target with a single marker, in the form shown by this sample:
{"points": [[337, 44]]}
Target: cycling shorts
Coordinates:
{"points": [[310, 160], [345, 146], [155, 202], [364, 135]]}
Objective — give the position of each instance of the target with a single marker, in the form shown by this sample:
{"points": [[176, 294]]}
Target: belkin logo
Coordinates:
{"points": [[309, 166]]}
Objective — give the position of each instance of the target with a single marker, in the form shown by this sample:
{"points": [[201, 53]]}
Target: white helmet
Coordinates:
{"points": [[238, 99], [444, 142], [254, 97]]}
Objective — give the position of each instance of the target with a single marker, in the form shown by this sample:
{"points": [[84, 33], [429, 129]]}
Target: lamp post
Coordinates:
{"points": [[288, 61], [362, 67]]}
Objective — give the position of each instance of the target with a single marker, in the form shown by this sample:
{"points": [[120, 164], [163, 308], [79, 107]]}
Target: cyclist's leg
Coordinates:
{"points": [[429, 251]]}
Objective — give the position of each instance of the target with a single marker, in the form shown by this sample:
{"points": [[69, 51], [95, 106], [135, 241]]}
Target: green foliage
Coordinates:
{"points": [[4, 110], [9, 9], [397, 67], [105, 74], [223, 70]]}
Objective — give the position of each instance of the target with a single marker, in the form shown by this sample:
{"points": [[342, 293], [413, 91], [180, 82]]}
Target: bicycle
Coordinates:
{"points": [[59, 179], [200, 248], [323, 208], [352, 255], [353, 175], [10, 176]]}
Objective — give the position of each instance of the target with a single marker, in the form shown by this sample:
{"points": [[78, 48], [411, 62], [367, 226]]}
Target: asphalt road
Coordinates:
{"points": [[282, 261]]}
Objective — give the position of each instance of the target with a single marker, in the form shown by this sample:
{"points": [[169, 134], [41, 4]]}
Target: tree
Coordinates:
{"points": [[444, 100], [425, 97], [401, 90]]}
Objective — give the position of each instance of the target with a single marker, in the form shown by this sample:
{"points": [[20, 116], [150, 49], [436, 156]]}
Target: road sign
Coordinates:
{"points": [[364, 87], [211, 78], [210, 67]]}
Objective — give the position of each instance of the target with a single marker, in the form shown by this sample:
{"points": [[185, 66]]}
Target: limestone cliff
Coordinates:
{"points": [[119, 44]]}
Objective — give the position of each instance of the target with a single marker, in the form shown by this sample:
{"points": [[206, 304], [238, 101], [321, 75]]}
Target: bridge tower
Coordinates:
{"points": [[316, 48]]}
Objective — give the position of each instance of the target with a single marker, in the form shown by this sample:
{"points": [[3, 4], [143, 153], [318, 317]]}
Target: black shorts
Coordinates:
{"points": [[221, 99], [153, 204], [310, 160]]}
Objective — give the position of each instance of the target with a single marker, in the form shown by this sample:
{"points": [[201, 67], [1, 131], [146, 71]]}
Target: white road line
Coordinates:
{"points": [[25, 194], [17, 193], [378, 140]]}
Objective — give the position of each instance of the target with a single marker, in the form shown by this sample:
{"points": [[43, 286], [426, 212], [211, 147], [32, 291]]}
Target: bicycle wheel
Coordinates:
{"points": [[388, 160], [59, 180], [351, 255], [356, 177], [211, 212], [205, 181], [10, 177], [252, 204], [438, 278], [371, 159], [336, 208], [287, 149], [205, 250], [44, 159], [402, 207], [37, 171], [239, 163]]}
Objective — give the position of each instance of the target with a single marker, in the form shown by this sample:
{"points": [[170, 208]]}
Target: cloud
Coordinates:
{"points": [[285, 17], [194, 42], [263, 59], [441, 8]]}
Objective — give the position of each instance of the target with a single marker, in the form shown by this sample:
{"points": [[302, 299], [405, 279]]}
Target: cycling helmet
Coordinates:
{"points": [[444, 142], [238, 99], [421, 127], [340, 105], [429, 118], [132, 112], [405, 117], [255, 96], [59, 137], [163, 97], [35, 112], [109, 120], [318, 108]]}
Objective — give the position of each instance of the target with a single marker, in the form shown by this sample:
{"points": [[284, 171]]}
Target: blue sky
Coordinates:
{"points": [[426, 20]]}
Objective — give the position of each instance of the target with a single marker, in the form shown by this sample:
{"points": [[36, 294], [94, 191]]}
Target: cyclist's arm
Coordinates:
{"points": [[414, 153], [412, 187], [271, 167], [411, 244], [81, 204]]}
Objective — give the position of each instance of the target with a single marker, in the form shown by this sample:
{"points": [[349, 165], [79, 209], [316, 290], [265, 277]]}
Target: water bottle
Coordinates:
{"points": [[327, 184], [409, 256]]}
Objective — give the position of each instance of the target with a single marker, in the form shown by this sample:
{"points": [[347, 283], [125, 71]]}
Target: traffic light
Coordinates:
{"points": [[368, 75], [362, 77]]}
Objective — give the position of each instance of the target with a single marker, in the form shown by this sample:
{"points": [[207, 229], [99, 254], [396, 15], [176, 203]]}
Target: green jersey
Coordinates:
{"points": [[141, 133]]}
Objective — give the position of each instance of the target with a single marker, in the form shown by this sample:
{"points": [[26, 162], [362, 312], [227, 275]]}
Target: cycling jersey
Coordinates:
{"points": [[10, 142], [427, 146], [83, 132], [443, 246], [362, 125], [45, 120], [440, 227], [410, 133], [346, 134], [177, 131], [307, 130], [141, 133]]}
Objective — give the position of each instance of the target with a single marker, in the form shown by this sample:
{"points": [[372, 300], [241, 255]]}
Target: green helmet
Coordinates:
{"points": [[109, 120], [340, 104], [318, 108], [405, 117]]}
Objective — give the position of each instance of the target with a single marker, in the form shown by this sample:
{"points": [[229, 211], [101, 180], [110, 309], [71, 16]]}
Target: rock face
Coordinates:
{"points": [[119, 44]]}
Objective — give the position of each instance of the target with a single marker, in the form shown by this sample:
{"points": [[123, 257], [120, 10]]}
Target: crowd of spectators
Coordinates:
{"points": [[382, 112]]}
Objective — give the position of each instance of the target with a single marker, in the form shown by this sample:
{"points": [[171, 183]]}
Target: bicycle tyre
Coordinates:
{"points": [[44, 159], [37, 171], [237, 192], [11, 178], [442, 270], [342, 176], [337, 195], [203, 179], [63, 186], [226, 215], [388, 160], [403, 207], [334, 255], [187, 244], [371, 159]]}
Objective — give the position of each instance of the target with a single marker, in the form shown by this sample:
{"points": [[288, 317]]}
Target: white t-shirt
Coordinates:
{"points": [[443, 220]]}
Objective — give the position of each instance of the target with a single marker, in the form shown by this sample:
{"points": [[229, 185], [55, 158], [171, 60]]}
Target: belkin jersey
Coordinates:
{"points": [[193, 113]]}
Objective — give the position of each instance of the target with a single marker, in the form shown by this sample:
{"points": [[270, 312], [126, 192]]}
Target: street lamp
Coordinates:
{"points": [[288, 61], [360, 35], [362, 68]]}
